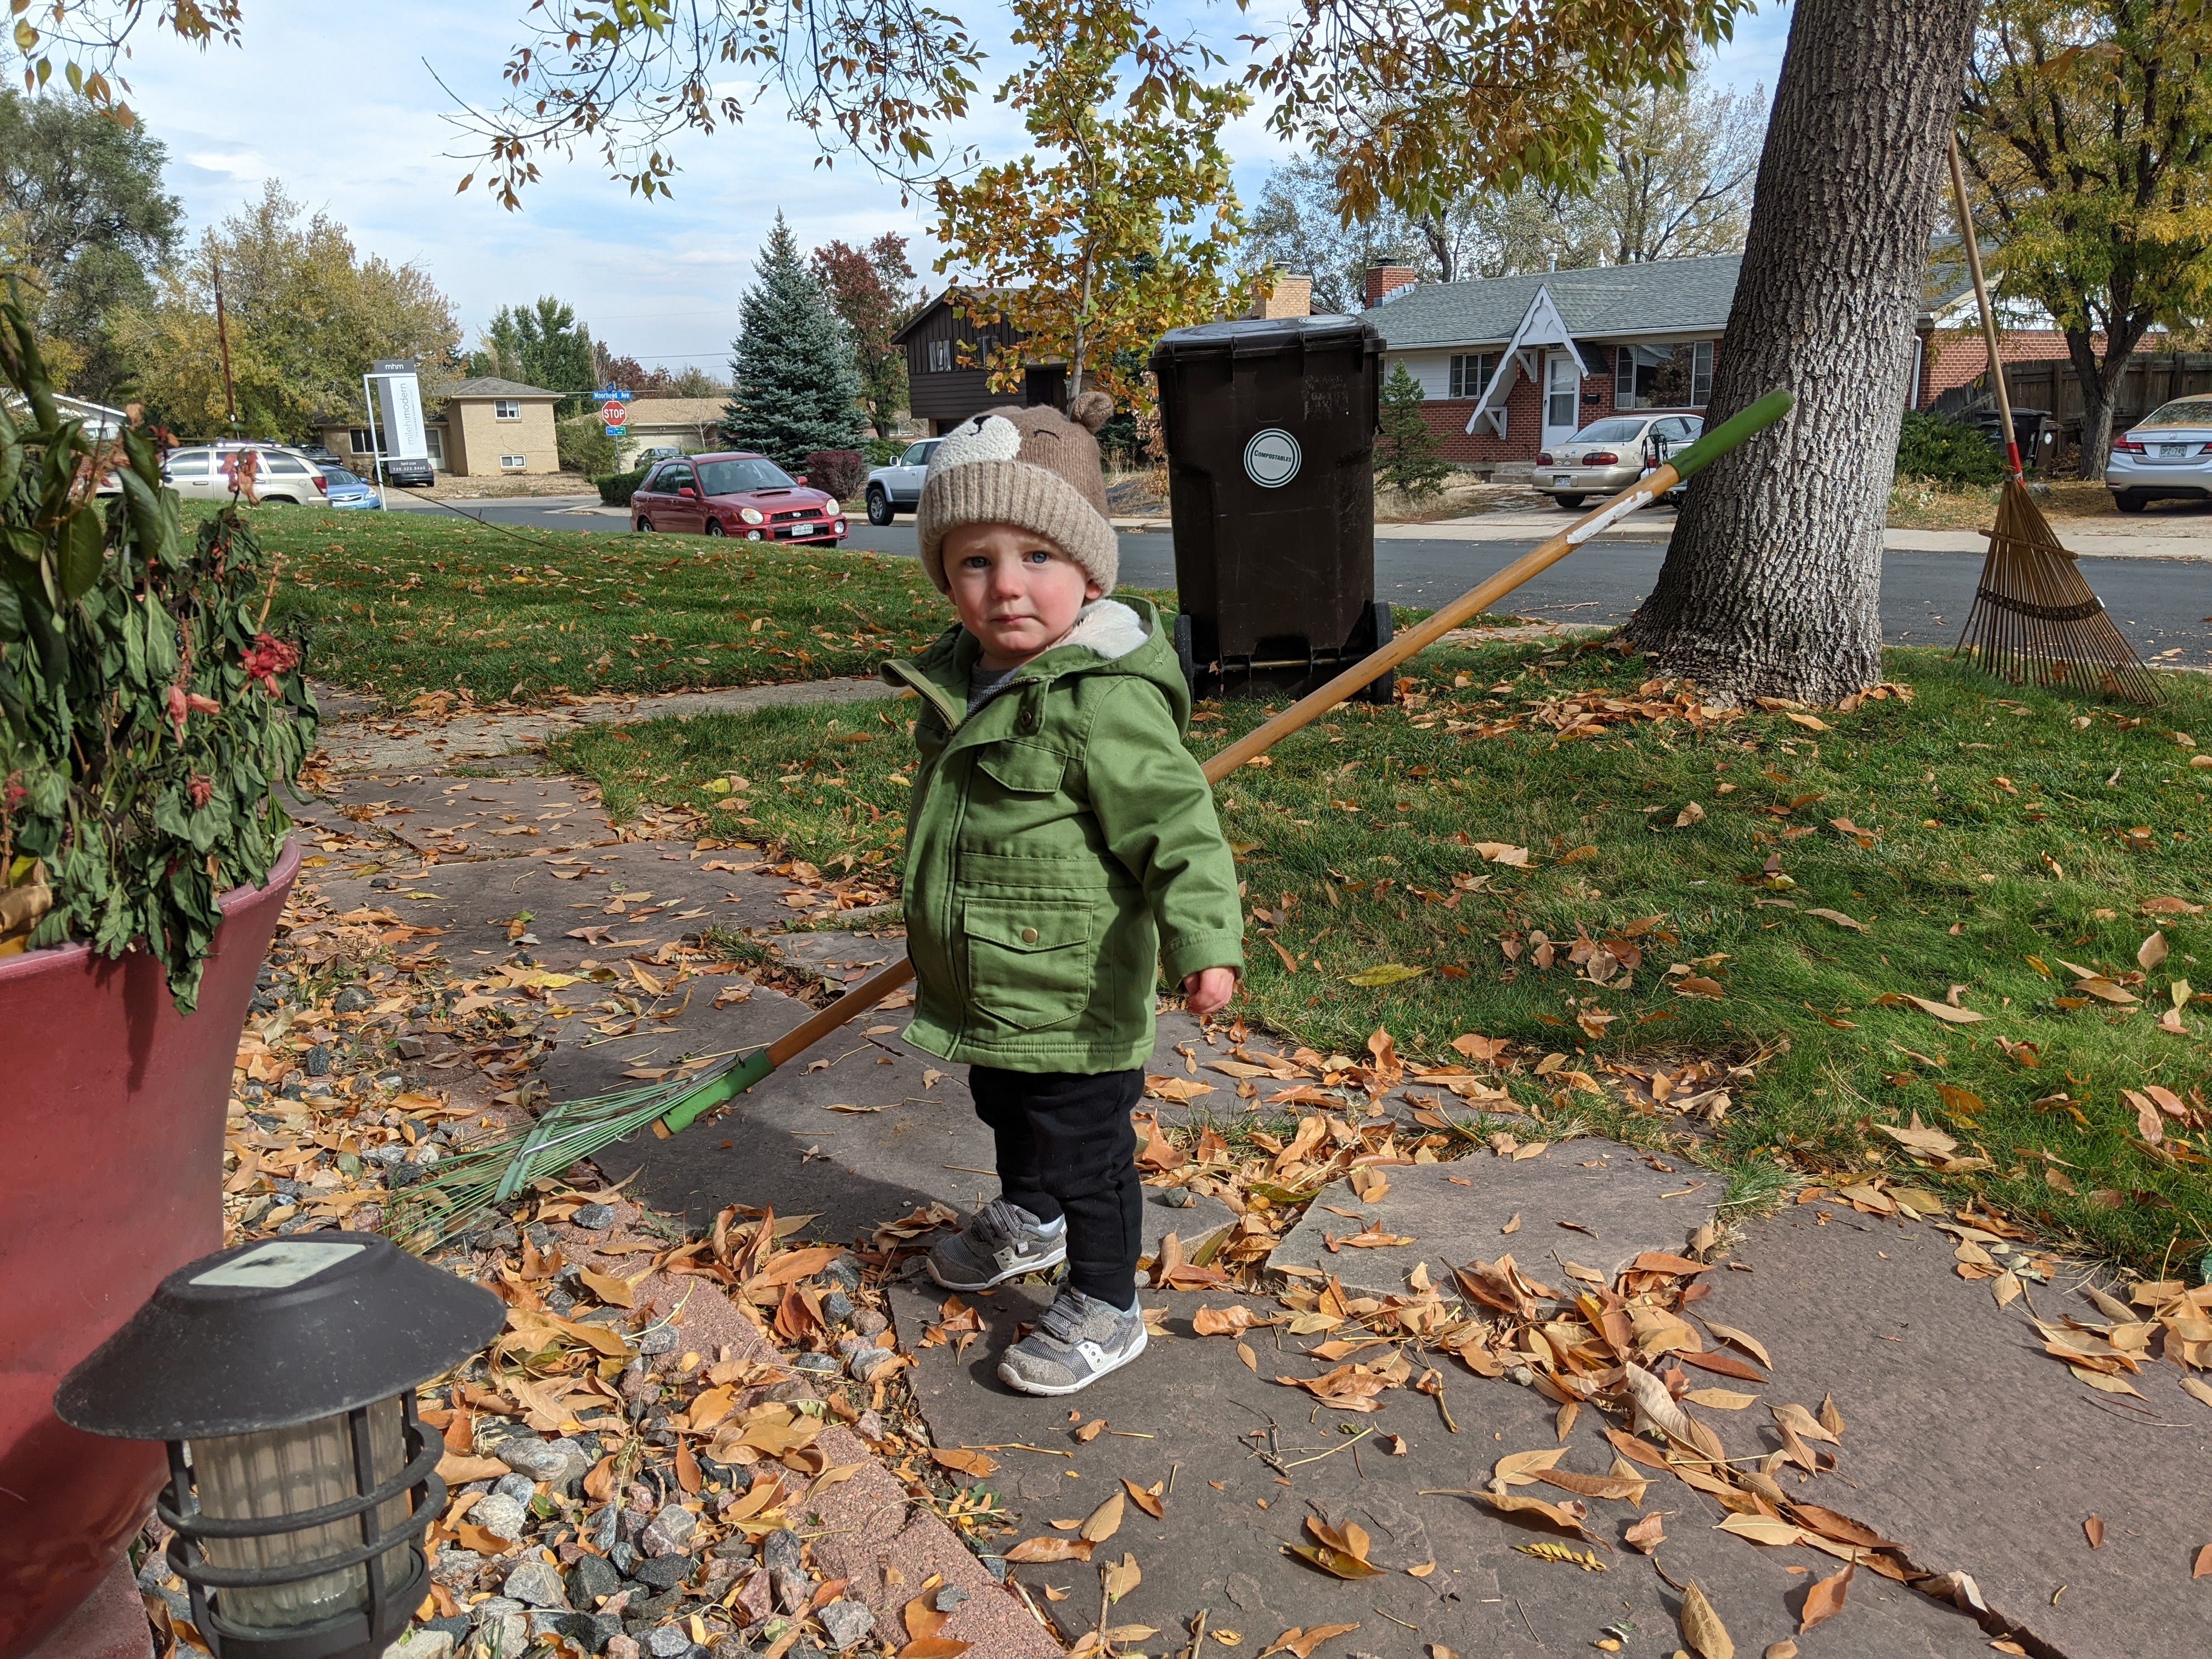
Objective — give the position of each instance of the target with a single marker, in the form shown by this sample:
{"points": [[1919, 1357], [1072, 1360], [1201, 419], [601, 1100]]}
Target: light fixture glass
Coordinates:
{"points": [[286, 1472]]}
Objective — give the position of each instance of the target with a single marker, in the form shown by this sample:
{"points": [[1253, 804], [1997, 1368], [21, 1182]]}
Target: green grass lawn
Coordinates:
{"points": [[1995, 835], [397, 603]]}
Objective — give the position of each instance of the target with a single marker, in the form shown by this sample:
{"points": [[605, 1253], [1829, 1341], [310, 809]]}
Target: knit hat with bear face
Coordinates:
{"points": [[1031, 467]]}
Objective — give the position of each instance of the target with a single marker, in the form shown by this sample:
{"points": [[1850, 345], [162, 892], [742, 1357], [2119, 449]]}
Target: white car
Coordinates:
{"points": [[209, 473], [897, 487], [2166, 455], [1610, 454]]}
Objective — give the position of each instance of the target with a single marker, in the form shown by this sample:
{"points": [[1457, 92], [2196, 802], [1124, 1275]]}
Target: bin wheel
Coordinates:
{"points": [[1570, 503], [1186, 654]]}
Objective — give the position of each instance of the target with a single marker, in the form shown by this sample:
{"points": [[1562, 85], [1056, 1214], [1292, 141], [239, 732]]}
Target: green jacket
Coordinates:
{"points": [[1062, 844]]}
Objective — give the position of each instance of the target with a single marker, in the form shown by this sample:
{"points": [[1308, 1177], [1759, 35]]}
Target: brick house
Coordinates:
{"points": [[1510, 365]]}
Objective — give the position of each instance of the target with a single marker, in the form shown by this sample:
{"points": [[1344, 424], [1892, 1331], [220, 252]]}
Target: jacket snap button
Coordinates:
{"points": [[1029, 936]]}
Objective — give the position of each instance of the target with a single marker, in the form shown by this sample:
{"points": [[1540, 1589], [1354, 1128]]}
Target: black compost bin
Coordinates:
{"points": [[1270, 428]]}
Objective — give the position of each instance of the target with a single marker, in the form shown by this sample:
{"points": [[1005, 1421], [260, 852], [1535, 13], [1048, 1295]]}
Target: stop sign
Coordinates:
{"points": [[614, 414]]}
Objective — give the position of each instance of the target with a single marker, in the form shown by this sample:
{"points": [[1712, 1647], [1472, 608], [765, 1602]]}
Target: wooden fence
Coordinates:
{"points": [[2050, 384]]}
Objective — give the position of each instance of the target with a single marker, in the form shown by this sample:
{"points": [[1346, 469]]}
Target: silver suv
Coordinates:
{"points": [[1607, 456], [209, 472], [897, 487]]}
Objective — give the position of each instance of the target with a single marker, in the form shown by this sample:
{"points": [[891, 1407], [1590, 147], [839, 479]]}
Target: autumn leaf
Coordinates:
{"points": [[1645, 1535], [2151, 951], [1702, 1630], [1302, 1643], [1147, 1501], [934, 1647], [1051, 1549], [1735, 1338], [1824, 1599], [1104, 1521], [2093, 1529], [1762, 1529], [966, 1462], [1567, 1517], [609, 1290], [1522, 1469], [1388, 973], [1839, 918], [1121, 1577], [1221, 1321], [2204, 1567]]}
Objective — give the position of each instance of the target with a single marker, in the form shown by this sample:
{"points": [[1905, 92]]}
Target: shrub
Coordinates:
{"points": [[1946, 452], [885, 452], [840, 472], [616, 489], [146, 716], [1405, 456], [584, 446]]}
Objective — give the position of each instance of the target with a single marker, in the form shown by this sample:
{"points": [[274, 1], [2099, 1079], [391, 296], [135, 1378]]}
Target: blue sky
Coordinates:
{"points": [[349, 117]]}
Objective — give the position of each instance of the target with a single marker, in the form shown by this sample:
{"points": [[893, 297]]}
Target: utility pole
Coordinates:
{"points": [[222, 340]]}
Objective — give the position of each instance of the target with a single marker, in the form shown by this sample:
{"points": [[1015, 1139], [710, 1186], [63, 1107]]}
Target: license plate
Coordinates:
{"points": [[1561, 481], [2174, 451]]}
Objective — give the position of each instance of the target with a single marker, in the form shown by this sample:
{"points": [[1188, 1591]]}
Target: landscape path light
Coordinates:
{"points": [[282, 1376]]}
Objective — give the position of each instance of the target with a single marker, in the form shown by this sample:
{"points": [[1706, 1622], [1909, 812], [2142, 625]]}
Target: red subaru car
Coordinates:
{"points": [[735, 494]]}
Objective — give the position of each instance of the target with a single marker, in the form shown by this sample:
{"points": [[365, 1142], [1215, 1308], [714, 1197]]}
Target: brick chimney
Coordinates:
{"points": [[1387, 275], [1289, 295]]}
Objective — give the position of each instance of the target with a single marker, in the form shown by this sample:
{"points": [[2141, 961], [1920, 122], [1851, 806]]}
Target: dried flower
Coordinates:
{"points": [[268, 657], [199, 789]]}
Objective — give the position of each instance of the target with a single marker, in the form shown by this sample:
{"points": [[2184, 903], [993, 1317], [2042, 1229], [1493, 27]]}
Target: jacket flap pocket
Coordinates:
{"points": [[1027, 769], [1025, 924]]}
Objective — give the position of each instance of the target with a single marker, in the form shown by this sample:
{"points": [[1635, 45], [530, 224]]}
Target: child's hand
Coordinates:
{"points": [[1208, 990]]}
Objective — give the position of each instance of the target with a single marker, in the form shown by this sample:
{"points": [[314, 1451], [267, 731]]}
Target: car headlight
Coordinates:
{"points": [[752, 515]]}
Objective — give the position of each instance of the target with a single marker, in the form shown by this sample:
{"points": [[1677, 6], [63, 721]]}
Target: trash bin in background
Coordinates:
{"points": [[1270, 428]]}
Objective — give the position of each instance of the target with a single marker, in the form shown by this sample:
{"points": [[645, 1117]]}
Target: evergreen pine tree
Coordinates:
{"points": [[1406, 450], [795, 386]]}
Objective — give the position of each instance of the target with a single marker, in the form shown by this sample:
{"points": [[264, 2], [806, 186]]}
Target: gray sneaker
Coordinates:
{"points": [[1078, 1342], [1002, 1241]]}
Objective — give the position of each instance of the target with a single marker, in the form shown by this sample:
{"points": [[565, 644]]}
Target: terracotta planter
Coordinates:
{"points": [[112, 1119]]}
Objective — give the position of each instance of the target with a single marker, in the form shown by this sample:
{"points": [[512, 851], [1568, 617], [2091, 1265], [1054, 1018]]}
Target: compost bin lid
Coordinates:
{"points": [[1259, 337]]}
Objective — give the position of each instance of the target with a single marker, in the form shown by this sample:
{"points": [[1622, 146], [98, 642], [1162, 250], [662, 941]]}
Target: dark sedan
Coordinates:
{"points": [[735, 494]]}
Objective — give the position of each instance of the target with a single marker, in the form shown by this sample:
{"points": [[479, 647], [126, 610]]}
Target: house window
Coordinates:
{"points": [[940, 356], [1471, 373], [434, 441], [514, 463], [507, 409], [1663, 377], [363, 441]]}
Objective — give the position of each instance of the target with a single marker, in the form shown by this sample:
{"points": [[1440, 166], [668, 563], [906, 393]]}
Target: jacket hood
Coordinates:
{"points": [[1119, 635]]}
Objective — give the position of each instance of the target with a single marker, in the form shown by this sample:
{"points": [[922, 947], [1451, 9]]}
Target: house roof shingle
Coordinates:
{"points": [[1665, 296], [491, 385]]}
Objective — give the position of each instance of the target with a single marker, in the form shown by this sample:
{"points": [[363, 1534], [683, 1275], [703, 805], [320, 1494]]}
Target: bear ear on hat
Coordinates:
{"points": [[1091, 410]]}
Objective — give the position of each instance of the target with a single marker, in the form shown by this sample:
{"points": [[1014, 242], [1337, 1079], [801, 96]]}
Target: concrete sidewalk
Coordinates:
{"points": [[2172, 539]]}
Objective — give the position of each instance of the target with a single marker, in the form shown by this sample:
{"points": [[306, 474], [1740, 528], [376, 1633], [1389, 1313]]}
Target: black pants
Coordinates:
{"points": [[1067, 1147]]}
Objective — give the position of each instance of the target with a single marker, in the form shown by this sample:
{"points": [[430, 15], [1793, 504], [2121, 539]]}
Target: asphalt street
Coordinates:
{"points": [[2163, 604]]}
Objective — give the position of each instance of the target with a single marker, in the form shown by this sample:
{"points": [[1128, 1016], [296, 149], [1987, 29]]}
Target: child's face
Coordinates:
{"points": [[1016, 592]]}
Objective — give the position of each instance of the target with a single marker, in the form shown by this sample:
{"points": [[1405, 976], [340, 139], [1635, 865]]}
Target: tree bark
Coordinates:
{"points": [[1772, 581]]}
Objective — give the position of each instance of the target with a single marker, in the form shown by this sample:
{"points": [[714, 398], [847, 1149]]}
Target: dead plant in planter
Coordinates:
{"points": [[147, 717]]}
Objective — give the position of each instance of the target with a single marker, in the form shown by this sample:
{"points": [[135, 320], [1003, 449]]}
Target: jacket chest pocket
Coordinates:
{"points": [[1022, 769], [1029, 961]]}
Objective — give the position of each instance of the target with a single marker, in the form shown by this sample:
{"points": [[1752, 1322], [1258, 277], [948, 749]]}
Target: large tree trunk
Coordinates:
{"points": [[1772, 582]]}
